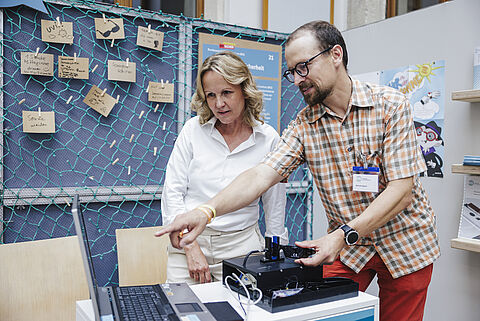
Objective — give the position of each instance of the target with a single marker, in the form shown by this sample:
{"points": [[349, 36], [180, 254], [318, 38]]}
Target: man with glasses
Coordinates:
{"points": [[359, 142]]}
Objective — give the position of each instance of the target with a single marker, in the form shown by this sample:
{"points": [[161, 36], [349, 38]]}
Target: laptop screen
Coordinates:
{"points": [[86, 255]]}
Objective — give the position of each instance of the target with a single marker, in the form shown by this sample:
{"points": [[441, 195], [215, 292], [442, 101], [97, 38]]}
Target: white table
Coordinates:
{"points": [[362, 307]]}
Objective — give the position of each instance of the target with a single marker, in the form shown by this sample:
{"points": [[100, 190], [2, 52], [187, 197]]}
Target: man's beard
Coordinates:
{"points": [[316, 95]]}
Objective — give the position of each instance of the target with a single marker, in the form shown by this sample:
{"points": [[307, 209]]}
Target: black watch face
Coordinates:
{"points": [[352, 237]]}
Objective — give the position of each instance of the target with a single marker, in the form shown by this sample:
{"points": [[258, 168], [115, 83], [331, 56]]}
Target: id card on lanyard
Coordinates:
{"points": [[365, 179]]}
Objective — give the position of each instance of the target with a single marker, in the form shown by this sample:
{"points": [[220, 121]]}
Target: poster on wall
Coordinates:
{"points": [[424, 86], [264, 62]]}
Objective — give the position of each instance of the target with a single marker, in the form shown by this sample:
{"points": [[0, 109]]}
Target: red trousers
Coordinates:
{"points": [[401, 299]]}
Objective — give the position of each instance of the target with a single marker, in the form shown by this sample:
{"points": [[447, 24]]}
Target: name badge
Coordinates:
{"points": [[365, 179]]}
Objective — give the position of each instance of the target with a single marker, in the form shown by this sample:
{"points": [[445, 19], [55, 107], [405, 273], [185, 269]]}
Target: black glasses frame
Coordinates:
{"points": [[288, 74]]}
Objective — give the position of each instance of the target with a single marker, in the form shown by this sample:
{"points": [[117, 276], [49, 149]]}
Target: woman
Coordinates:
{"points": [[226, 138]]}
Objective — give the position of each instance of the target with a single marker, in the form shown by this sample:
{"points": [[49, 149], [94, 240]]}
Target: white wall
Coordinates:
{"points": [[443, 32], [287, 15]]}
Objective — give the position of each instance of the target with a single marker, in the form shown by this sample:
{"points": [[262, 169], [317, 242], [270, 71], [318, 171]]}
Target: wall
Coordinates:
{"points": [[430, 34]]}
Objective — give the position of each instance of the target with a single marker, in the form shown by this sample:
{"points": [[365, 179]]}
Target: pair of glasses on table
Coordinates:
{"points": [[302, 67]]}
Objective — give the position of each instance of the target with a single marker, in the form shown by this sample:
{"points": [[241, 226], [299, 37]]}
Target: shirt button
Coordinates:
{"points": [[349, 148]]}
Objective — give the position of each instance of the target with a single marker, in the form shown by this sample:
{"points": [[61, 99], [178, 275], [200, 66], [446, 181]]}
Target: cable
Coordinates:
{"points": [[248, 255], [236, 279]]}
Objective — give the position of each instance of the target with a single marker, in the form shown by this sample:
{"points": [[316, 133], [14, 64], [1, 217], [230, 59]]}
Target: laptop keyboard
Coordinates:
{"points": [[143, 303]]}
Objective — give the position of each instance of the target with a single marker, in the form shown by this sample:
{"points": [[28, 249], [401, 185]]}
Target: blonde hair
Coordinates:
{"points": [[232, 68]]}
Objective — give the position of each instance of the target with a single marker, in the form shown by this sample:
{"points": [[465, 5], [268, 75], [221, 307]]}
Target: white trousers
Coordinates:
{"points": [[216, 246]]}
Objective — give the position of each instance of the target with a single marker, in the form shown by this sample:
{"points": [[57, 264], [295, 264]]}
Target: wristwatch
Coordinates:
{"points": [[351, 236]]}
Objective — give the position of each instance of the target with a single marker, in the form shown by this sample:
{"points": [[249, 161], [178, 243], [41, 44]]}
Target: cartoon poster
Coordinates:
{"points": [[424, 85]]}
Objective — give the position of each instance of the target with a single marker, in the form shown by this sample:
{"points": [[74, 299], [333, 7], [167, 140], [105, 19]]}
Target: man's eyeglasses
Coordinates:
{"points": [[302, 67]]}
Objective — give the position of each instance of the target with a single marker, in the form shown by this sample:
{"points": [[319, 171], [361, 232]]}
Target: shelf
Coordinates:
{"points": [[463, 169], [465, 244], [472, 96]]}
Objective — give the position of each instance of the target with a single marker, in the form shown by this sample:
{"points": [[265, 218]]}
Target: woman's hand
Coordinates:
{"points": [[197, 263]]}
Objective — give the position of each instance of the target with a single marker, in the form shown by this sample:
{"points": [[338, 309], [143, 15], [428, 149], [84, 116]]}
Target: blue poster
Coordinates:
{"points": [[264, 62]]}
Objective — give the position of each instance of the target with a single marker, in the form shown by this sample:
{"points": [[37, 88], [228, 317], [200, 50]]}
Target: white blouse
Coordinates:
{"points": [[201, 165]]}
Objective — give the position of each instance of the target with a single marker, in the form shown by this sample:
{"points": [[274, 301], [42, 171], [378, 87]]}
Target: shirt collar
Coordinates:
{"points": [[361, 97]]}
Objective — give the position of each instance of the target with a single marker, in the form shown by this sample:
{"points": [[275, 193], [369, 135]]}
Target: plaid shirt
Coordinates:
{"points": [[378, 126]]}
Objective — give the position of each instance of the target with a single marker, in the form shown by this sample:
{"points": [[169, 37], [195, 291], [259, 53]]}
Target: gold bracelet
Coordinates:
{"points": [[211, 208], [205, 211]]}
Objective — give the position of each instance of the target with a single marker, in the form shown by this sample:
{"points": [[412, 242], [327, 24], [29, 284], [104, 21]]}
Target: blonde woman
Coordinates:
{"points": [[226, 138]]}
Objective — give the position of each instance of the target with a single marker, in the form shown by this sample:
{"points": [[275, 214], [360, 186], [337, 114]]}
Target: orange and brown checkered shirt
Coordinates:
{"points": [[378, 124]]}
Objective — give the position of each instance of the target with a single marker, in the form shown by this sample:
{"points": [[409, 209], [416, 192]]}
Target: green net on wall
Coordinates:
{"points": [[116, 163]]}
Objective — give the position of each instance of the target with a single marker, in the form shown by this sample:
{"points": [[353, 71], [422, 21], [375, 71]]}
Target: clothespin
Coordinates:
{"points": [[104, 19], [103, 92], [141, 114], [156, 108], [75, 57], [129, 168], [155, 151], [94, 68], [21, 101], [163, 86], [36, 52], [113, 143], [115, 161], [66, 201], [58, 20], [69, 100], [131, 137], [118, 98], [127, 61], [164, 125], [149, 28], [148, 88], [39, 111], [91, 177]]}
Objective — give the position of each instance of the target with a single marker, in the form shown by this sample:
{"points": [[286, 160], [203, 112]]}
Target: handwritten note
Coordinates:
{"points": [[122, 71], [102, 104], [152, 39], [71, 67], [38, 122], [160, 92], [41, 65], [109, 28], [52, 31]]}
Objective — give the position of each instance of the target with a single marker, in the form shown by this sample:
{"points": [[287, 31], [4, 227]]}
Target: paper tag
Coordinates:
{"points": [[41, 65], [120, 70], [102, 104], [70, 67], [152, 39], [38, 122], [365, 183], [160, 93], [52, 31], [109, 28]]}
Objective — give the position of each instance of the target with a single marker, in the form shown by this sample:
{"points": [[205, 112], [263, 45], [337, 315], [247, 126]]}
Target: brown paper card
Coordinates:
{"points": [[152, 39], [102, 104], [38, 122], [118, 70], [41, 65], [109, 29], [69, 67], [52, 31], [159, 93]]}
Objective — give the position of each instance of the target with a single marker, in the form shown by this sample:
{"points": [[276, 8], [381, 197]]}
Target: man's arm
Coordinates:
{"points": [[395, 198], [243, 190]]}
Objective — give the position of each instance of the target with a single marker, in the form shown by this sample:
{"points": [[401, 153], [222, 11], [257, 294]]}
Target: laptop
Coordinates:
{"points": [[168, 301]]}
